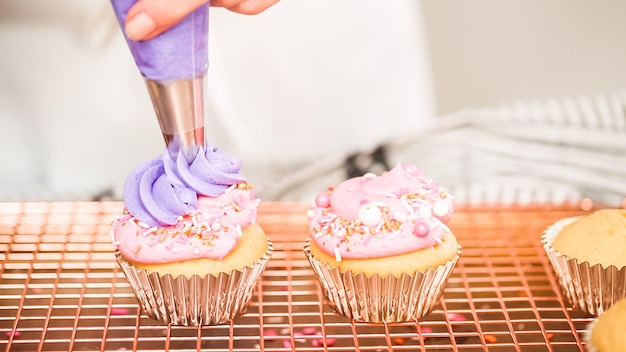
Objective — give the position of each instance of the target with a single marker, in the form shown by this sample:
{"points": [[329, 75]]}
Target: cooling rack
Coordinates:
{"points": [[61, 290]]}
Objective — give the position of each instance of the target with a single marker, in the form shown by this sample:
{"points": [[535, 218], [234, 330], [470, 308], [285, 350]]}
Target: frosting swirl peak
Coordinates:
{"points": [[162, 190]]}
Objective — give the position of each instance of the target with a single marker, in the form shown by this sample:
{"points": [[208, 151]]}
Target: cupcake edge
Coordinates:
{"points": [[589, 288], [195, 301], [382, 299]]}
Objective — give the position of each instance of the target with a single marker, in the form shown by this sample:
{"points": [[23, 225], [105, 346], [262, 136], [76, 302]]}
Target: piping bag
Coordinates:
{"points": [[174, 65]]}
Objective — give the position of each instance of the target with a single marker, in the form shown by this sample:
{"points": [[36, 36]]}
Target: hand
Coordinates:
{"points": [[149, 18]]}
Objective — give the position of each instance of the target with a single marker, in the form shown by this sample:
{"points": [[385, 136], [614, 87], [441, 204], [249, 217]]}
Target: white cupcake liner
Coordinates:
{"points": [[379, 299], [589, 288], [195, 301]]}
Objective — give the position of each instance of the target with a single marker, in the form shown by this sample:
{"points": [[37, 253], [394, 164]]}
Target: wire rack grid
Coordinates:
{"points": [[61, 290]]}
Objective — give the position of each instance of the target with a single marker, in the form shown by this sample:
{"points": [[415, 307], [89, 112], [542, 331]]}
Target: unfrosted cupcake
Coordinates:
{"points": [[188, 240], [380, 246], [606, 333], [588, 254]]}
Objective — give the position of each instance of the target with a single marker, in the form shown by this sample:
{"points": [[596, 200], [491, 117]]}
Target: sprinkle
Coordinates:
{"points": [[310, 213], [196, 251], [398, 341], [400, 216], [269, 334], [443, 226], [490, 338], [370, 175], [456, 317], [330, 341], [427, 330], [309, 330], [137, 249], [337, 255], [13, 333], [150, 231], [239, 232], [287, 344], [242, 185], [215, 226], [163, 237], [235, 206], [370, 215], [425, 213], [549, 337], [322, 200], [421, 229], [395, 234], [230, 188], [119, 311], [367, 239], [441, 209], [143, 224]]}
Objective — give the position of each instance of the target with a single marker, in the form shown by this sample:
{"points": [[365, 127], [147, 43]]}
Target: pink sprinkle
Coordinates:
{"points": [[456, 317], [119, 311], [322, 200], [330, 341], [287, 344], [309, 330], [13, 333], [269, 334], [427, 330], [297, 334], [316, 343]]}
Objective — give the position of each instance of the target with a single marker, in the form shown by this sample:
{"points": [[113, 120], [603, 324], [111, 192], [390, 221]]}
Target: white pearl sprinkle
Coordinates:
{"points": [[215, 226], [400, 216], [370, 215], [441, 208], [310, 213], [425, 213]]}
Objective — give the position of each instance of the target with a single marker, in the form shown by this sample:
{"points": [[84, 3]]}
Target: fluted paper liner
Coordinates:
{"points": [[378, 299], [590, 288], [195, 301]]}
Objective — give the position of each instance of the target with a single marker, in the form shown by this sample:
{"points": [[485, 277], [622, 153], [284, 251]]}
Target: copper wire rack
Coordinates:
{"points": [[61, 290]]}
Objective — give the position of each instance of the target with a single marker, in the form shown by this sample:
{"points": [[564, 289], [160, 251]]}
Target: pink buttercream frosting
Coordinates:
{"points": [[372, 216], [210, 231]]}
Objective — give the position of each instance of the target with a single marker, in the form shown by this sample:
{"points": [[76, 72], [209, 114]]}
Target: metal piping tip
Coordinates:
{"points": [[179, 106]]}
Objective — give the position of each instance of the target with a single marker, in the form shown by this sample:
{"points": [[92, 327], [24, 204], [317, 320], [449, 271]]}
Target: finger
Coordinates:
{"points": [[246, 7], [149, 18]]}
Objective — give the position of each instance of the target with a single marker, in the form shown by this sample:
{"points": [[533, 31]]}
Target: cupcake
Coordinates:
{"points": [[588, 254], [188, 241], [380, 246], [606, 333]]}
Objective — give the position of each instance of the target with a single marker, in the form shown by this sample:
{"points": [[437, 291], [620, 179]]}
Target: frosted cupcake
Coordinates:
{"points": [[188, 240], [588, 254], [380, 246]]}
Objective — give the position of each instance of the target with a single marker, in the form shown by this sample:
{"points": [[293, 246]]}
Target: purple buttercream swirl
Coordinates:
{"points": [[179, 52], [161, 190]]}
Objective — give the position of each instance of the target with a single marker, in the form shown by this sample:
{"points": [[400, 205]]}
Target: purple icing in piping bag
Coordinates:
{"points": [[179, 52]]}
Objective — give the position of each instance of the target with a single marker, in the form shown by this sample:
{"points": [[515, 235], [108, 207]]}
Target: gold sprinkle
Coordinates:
{"points": [[387, 223], [137, 249], [242, 185], [442, 194], [235, 206], [163, 237]]}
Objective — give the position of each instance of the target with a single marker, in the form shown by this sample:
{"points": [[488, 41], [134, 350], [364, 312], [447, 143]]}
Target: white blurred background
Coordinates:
{"points": [[300, 84]]}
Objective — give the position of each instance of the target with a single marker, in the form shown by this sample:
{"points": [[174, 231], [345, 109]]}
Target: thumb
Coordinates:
{"points": [[149, 18]]}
